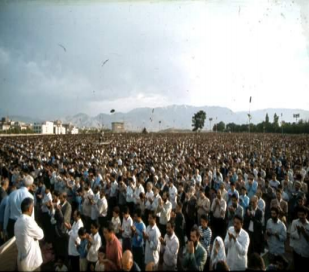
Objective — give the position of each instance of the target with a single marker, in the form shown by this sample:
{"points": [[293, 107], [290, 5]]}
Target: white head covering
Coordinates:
{"points": [[221, 253], [28, 181]]}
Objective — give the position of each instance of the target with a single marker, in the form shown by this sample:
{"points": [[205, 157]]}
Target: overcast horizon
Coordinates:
{"points": [[63, 58]]}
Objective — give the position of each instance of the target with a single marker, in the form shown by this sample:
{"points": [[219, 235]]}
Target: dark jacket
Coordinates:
{"points": [[63, 216]]}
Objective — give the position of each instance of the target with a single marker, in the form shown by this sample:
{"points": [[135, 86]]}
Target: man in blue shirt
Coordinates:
{"points": [[138, 241], [82, 249], [13, 207]]}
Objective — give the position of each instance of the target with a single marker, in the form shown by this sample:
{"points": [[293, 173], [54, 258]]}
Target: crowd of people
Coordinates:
{"points": [[156, 202]]}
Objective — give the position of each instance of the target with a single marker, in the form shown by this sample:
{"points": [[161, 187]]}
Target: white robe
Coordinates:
{"points": [[28, 234]]}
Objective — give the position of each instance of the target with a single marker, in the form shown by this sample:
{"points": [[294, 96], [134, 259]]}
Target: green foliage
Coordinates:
{"points": [[219, 127], [198, 120]]}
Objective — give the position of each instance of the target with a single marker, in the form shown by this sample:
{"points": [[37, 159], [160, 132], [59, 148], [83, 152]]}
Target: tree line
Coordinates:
{"points": [[198, 122]]}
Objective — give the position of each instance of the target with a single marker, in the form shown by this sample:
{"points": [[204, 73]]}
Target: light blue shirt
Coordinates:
{"points": [[244, 201], [13, 207], [251, 189], [275, 245]]}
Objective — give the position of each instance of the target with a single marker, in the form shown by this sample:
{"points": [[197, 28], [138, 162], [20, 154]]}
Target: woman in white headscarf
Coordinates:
{"points": [[217, 252]]}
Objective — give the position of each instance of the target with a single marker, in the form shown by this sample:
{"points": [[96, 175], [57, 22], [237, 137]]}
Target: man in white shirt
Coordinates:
{"points": [[94, 243], [73, 233], [173, 194], [165, 208], [237, 244], [300, 239], [138, 190], [170, 247], [102, 209], [152, 237], [155, 203], [28, 234], [126, 229], [94, 202]]}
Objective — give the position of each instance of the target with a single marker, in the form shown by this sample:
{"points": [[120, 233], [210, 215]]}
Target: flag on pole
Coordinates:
{"points": [[250, 98]]}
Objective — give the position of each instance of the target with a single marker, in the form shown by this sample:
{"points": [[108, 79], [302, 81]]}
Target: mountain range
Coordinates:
{"points": [[174, 116]]}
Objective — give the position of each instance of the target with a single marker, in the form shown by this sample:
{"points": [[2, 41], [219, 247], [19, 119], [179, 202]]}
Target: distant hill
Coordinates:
{"points": [[178, 117]]}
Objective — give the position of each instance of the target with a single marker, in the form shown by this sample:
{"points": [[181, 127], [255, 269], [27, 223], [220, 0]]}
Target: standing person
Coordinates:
{"points": [[234, 209], [203, 205], [152, 237], [102, 209], [237, 243], [300, 239], [172, 194], [190, 210], [276, 234], [217, 253], [94, 243], [62, 216], [253, 225], [165, 208], [81, 246], [126, 230], [218, 209], [94, 204], [281, 204], [28, 234], [180, 225], [73, 233], [196, 256], [149, 198], [88, 195], [170, 245], [113, 248], [13, 207], [205, 240], [130, 194], [138, 240], [4, 188], [116, 221]]}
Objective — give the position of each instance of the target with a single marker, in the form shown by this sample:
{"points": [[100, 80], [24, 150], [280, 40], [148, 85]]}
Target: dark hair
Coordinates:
{"points": [[153, 215], [196, 230], [238, 217], [95, 224], [234, 196], [138, 212], [205, 217], [275, 209], [256, 262], [172, 223], [302, 210], [116, 210], [126, 210], [109, 226], [78, 213], [82, 231], [26, 204], [222, 266], [102, 249]]}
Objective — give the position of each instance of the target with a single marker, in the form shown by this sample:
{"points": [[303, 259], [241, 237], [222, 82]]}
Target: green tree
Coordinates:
{"points": [[198, 120], [219, 127]]}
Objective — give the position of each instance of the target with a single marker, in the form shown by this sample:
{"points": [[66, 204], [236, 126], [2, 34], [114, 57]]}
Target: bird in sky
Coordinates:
{"points": [[62, 47]]}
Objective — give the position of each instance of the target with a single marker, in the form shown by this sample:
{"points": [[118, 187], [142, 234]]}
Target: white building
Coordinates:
{"points": [[58, 128], [70, 129], [44, 128]]}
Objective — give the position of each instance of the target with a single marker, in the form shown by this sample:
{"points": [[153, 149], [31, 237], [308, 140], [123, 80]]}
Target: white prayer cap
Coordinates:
{"points": [[28, 181], [152, 169]]}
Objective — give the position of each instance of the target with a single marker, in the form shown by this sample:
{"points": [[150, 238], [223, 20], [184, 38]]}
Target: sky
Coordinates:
{"points": [[60, 58]]}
